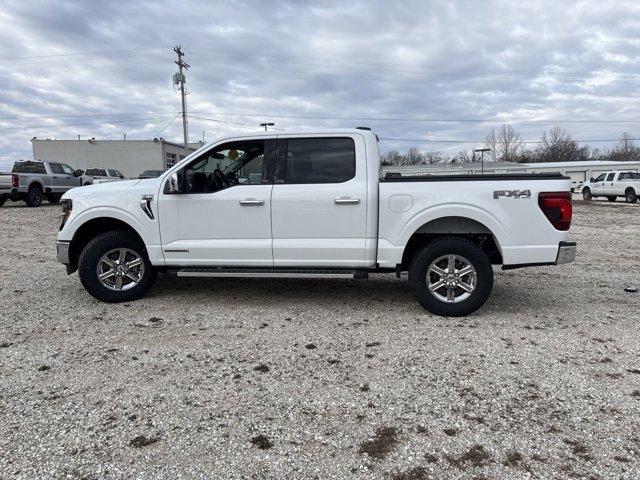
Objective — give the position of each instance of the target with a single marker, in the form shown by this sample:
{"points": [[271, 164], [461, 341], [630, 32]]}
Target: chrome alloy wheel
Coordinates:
{"points": [[451, 278], [120, 269]]}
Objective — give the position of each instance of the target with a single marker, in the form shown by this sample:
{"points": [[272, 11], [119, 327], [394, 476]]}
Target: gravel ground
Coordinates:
{"points": [[322, 379]]}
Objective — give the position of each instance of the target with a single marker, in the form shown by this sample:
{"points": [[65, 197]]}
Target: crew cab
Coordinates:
{"points": [[613, 185], [313, 205], [32, 181]]}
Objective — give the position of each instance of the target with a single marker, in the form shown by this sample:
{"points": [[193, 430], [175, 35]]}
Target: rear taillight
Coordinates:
{"points": [[557, 207], [15, 180]]}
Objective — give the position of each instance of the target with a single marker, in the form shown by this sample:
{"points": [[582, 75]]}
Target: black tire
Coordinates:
{"points": [[611, 198], [630, 196], [93, 252], [451, 246], [2, 200], [34, 197], [586, 194], [51, 198]]}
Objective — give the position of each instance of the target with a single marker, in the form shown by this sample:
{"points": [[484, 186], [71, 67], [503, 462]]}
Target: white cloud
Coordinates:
{"points": [[443, 60]]}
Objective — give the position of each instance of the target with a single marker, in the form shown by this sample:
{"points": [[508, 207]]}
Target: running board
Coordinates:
{"points": [[270, 273]]}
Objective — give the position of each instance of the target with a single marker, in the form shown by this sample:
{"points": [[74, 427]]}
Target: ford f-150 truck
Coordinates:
{"points": [[32, 181], [313, 205], [613, 185]]}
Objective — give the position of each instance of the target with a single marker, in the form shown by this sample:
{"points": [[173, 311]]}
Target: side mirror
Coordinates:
{"points": [[78, 173], [592, 179], [174, 183]]}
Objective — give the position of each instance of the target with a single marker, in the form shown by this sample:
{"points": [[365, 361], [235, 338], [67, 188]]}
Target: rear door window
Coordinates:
{"points": [[320, 160]]}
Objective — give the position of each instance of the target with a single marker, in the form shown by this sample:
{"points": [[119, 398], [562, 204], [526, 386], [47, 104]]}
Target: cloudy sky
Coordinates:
{"points": [[420, 73]]}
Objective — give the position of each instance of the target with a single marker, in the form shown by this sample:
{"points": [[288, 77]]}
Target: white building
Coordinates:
{"points": [[578, 171], [131, 157]]}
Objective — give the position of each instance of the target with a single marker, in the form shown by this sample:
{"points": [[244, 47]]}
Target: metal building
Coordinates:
{"points": [[131, 157], [578, 171]]}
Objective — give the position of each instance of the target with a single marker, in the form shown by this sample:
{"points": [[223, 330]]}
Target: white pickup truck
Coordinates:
{"points": [[613, 185], [313, 205]]}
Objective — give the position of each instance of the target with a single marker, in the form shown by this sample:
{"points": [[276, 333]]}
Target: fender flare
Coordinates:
{"points": [[110, 212], [37, 182], [471, 212]]}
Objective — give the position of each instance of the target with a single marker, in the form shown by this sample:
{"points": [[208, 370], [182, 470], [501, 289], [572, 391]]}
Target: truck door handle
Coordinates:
{"points": [[346, 201], [251, 203]]}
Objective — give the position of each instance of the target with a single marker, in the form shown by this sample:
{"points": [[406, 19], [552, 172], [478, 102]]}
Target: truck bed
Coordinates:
{"points": [[502, 206]]}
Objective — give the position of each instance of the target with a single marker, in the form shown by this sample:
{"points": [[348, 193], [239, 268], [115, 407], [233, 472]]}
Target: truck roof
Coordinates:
{"points": [[313, 132]]}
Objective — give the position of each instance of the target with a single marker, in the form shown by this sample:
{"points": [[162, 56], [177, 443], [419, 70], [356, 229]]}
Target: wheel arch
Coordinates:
{"points": [[36, 184], [93, 227], [461, 226]]}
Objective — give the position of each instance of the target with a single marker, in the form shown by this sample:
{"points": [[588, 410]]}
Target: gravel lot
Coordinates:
{"points": [[322, 379]]}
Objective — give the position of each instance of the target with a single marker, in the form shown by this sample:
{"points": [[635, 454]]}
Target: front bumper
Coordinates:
{"points": [[62, 252], [566, 252]]}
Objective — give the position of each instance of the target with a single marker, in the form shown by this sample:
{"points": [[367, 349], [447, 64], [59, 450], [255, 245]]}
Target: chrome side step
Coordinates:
{"points": [[270, 273]]}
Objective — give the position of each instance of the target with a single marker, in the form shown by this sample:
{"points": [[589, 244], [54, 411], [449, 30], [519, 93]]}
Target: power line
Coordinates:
{"points": [[88, 115], [337, 117], [33, 127], [229, 122], [94, 52], [167, 125], [428, 120]]}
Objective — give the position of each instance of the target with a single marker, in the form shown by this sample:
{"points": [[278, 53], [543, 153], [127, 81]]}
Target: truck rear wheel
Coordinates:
{"points": [[586, 194], [34, 197], [451, 276], [630, 196], [114, 267]]}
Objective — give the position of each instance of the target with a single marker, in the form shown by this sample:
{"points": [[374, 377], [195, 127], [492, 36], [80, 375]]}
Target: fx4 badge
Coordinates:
{"points": [[511, 194]]}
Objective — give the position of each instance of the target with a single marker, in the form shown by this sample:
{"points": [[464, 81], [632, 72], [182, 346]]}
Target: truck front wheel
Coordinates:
{"points": [[114, 267], [586, 194], [451, 276]]}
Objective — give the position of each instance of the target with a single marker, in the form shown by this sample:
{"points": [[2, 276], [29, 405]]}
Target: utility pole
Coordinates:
{"points": [[267, 124], [179, 79]]}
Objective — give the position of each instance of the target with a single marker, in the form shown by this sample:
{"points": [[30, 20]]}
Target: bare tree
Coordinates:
{"points": [[626, 150], [392, 158], [506, 144], [464, 156], [414, 157], [434, 157], [558, 146]]}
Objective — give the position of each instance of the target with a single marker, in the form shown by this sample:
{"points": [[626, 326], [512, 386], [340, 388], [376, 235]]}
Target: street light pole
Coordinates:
{"points": [[482, 150], [268, 124]]}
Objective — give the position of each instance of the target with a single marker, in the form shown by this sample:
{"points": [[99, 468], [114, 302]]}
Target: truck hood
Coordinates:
{"points": [[108, 192], [101, 187]]}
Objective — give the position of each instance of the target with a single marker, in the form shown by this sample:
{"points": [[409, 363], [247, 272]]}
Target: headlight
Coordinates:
{"points": [[67, 205]]}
